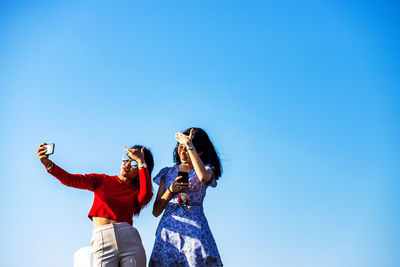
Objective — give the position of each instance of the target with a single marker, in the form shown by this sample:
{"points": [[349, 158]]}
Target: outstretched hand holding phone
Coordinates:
{"points": [[43, 154]]}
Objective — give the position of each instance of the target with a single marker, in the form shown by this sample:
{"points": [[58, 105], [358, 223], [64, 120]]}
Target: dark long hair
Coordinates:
{"points": [[205, 148], [148, 157]]}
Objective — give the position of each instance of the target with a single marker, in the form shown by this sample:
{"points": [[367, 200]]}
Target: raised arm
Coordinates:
{"points": [[204, 174], [87, 181], [145, 187]]}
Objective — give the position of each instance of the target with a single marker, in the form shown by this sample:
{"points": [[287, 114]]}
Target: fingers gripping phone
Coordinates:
{"points": [[184, 178], [50, 149]]}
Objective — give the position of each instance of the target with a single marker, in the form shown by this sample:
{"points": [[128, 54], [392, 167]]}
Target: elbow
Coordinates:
{"points": [[156, 213], [204, 178], [157, 210], [144, 199]]}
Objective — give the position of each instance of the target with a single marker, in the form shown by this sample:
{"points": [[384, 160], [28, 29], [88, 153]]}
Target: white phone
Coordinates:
{"points": [[50, 149]]}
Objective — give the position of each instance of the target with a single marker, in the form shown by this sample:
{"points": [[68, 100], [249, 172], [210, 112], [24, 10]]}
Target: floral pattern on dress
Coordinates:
{"points": [[183, 237]]}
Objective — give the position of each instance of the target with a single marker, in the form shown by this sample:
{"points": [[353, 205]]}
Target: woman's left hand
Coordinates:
{"points": [[136, 154], [184, 139]]}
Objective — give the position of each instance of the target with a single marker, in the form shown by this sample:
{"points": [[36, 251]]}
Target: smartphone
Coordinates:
{"points": [[185, 177], [50, 149]]}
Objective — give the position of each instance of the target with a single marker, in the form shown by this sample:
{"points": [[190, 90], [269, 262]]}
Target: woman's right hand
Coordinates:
{"points": [[177, 186], [44, 159], [164, 195]]}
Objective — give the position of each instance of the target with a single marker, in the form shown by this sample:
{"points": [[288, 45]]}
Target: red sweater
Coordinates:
{"points": [[113, 199]]}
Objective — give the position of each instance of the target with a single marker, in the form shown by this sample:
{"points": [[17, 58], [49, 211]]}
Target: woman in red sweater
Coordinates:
{"points": [[115, 242]]}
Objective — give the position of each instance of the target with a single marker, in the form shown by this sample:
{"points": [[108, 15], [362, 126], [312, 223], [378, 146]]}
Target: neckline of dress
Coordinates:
{"points": [[177, 168]]}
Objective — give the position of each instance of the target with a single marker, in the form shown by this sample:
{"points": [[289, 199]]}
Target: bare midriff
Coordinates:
{"points": [[99, 221]]}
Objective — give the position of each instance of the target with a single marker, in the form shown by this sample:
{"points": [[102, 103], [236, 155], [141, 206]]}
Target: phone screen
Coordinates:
{"points": [[185, 177], [50, 149]]}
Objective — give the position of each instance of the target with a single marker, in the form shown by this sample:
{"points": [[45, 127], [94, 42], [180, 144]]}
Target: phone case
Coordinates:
{"points": [[50, 149], [185, 177]]}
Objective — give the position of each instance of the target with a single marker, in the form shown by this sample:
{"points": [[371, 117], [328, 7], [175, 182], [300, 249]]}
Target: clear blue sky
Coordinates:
{"points": [[301, 98]]}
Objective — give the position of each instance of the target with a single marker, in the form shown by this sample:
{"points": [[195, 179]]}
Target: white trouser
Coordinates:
{"points": [[117, 245]]}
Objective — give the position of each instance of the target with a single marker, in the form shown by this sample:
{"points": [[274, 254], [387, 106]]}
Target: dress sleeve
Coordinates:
{"points": [[86, 181], [213, 181], [160, 175], [145, 187]]}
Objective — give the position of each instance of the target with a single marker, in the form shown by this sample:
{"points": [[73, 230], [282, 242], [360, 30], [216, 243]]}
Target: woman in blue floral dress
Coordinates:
{"points": [[183, 237]]}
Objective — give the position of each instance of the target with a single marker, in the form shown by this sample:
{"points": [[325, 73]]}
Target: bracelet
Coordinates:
{"points": [[190, 148], [51, 167], [144, 165], [169, 190]]}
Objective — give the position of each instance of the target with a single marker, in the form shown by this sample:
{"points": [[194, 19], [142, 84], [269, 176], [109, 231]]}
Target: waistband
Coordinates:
{"points": [[112, 226]]}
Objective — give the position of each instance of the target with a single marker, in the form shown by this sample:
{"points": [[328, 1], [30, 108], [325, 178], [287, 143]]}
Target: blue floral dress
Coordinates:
{"points": [[183, 237]]}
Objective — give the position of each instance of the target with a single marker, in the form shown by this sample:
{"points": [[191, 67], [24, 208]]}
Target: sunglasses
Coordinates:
{"points": [[126, 159]]}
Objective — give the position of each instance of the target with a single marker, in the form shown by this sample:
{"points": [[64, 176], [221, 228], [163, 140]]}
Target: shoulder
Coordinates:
{"points": [[165, 169], [164, 172]]}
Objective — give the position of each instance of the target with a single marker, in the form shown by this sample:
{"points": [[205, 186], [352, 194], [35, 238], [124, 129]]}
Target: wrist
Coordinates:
{"points": [[142, 165], [190, 147], [49, 165], [190, 143]]}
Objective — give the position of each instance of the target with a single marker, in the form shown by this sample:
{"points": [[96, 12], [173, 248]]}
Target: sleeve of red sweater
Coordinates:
{"points": [[145, 187], [87, 181]]}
